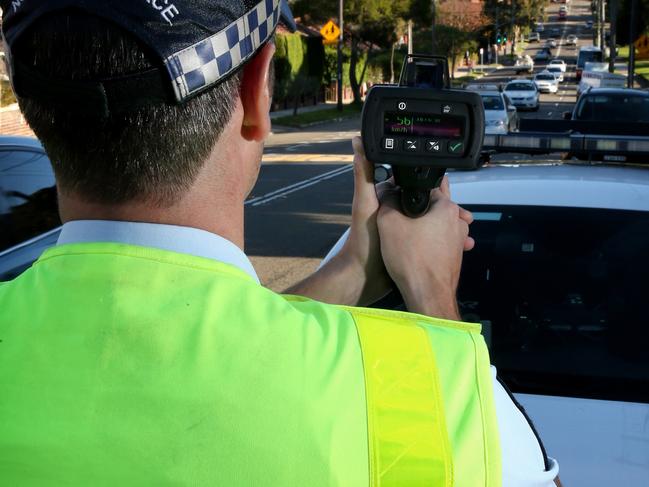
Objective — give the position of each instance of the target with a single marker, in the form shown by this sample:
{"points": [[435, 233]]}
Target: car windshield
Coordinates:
{"points": [[544, 77], [614, 107], [519, 87], [554, 69], [558, 292], [588, 57], [492, 102]]}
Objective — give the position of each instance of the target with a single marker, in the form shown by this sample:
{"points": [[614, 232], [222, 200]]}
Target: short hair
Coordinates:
{"points": [[150, 153]]}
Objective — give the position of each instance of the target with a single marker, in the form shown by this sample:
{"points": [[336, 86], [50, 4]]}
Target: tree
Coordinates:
{"points": [[509, 16], [369, 24], [456, 29], [624, 16]]}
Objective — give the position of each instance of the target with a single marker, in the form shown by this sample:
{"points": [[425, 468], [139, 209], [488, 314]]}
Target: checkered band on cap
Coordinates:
{"points": [[206, 62]]}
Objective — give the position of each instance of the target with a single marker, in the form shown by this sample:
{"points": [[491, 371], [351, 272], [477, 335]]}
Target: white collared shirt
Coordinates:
{"points": [[174, 238]]}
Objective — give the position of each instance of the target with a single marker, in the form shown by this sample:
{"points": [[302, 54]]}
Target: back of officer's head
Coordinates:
{"points": [[152, 153]]}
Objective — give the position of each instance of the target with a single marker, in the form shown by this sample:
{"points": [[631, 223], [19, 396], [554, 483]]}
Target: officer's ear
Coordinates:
{"points": [[256, 95]]}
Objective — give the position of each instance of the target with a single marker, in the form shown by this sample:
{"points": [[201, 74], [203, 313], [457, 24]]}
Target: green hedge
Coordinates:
{"points": [[299, 65]]}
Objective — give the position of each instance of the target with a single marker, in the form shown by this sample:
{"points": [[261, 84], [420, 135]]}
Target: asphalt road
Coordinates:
{"points": [[302, 201]]}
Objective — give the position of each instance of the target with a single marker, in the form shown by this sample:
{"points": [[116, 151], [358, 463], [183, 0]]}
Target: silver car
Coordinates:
{"points": [[523, 94], [500, 113]]}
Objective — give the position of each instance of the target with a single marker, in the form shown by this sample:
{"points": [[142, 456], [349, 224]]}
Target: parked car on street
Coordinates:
{"points": [[524, 63], [29, 219], [546, 82], [523, 94], [534, 37]]}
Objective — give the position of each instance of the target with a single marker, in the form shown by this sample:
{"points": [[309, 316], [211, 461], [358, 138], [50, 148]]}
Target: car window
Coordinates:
{"points": [[519, 87], [492, 102], [614, 107], [544, 76], [28, 205], [561, 294]]}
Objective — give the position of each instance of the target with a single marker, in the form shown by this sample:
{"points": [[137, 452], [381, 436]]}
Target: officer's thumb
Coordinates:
{"points": [[364, 189]]}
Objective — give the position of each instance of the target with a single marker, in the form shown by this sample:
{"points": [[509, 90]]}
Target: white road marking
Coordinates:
{"points": [[279, 193]]}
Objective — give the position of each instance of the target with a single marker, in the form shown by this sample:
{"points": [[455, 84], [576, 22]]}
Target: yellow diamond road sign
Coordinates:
{"points": [[642, 45], [330, 31]]}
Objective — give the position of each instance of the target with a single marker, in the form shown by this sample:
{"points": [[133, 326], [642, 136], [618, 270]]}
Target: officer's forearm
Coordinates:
{"points": [[339, 281]]}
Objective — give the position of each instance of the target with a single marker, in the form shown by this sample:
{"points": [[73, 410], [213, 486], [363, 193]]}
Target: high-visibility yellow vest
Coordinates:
{"points": [[126, 365]]}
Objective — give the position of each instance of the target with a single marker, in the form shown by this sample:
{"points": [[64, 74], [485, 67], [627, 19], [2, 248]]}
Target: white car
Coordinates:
{"points": [[543, 287], [500, 114], [556, 71], [524, 63], [546, 82], [551, 42], [523, 94], [571, 40], [534, 37], [560, 63]]}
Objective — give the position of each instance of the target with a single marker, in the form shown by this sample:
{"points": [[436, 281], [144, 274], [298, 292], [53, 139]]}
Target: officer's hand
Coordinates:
{"points": [[355, 275], [424, 255], [362, 250]]}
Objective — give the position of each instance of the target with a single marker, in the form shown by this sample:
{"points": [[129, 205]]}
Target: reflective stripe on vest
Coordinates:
{"points": [[431, 413]]}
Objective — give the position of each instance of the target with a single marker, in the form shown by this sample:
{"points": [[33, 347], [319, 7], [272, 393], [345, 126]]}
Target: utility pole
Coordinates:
{"points": [[634, 4], [612, 5], [434, 12], [598, 24], [511, 28], [339, 75], [602, 18], [409, 36]]}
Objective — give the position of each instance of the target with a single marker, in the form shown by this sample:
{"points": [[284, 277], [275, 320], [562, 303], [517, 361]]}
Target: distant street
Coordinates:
{"points": [[302, 201]]}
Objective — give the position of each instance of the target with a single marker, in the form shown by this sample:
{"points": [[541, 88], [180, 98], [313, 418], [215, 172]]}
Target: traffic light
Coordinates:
{"points": [[504, 38], [498, 38]]}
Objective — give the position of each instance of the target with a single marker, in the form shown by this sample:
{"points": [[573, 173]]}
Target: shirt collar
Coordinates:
{"points": [[184, 240]]}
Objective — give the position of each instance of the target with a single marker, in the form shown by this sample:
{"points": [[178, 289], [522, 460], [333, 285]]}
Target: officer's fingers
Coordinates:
{"points": [[384, 186], [469, 243], [364, 189], [466, 215], [445, 187]]}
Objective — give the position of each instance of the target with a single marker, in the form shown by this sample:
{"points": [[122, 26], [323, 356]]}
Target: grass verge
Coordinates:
{"points": [[641, 65], [318, 116]]}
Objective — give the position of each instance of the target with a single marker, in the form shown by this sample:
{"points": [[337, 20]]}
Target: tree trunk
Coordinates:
{"points": [[296, 101], [394, 44], [353, 81], [453, 61]]}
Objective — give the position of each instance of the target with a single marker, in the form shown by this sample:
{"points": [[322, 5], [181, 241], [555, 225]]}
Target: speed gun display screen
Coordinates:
{"points": [[422, 127], [422, 124]]}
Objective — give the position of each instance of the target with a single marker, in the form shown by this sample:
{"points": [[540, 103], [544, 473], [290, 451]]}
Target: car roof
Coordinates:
{"points": [[617, 91], [490, 93], [554, 185], [13, 141], [520, 80]]}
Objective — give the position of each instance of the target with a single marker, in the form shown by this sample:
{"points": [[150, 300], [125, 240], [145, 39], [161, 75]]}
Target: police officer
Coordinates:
{"points": [[142, 349]]}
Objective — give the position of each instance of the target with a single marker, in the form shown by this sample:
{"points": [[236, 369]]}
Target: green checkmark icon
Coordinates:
{"points": [[455, 147]]}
